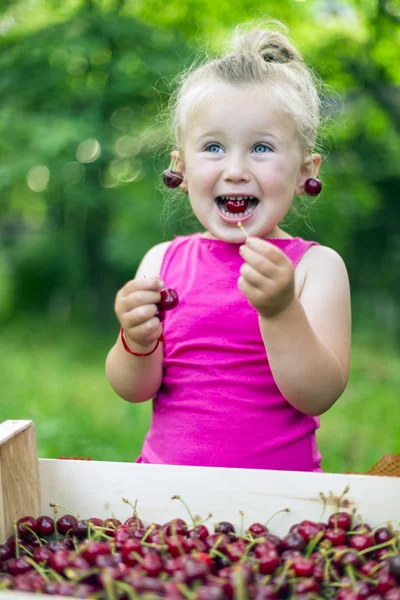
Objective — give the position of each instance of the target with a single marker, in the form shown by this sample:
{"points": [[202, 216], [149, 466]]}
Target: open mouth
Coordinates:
{"points": [[236, 207]]}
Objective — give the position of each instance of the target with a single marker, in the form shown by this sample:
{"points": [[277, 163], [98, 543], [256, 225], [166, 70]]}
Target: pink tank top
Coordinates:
{"points": [[218, 404]]}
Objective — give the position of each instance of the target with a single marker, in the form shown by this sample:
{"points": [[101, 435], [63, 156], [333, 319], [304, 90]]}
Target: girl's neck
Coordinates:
{"points": [[276, 233]]}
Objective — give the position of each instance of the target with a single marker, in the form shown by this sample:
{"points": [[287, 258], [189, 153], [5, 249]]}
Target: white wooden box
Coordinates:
{"points": [[89, 488]]}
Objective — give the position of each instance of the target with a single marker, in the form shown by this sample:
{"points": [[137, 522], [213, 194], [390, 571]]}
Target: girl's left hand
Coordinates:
{"points": [[267, 277]]}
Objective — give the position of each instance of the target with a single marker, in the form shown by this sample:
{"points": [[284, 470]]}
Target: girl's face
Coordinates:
{"points": [[241, 153]]}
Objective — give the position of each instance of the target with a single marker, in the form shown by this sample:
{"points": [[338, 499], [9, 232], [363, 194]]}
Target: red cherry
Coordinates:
{"points": [[382, 535], [177, 545], [235, 551], [169, 299], [336, 536], [44, 525], [152, 564], [293, 541], [386, 582], [200, 531], [361, 541], [393, 594], [257, 529], [134, 522], [130, 551], [306, 585], [42, 554], [269, 561], [210, 592], [25, 526], [17, 566], [94, 549], [303, 567], [172, 179], [59, 561], [236, 206], [313, 186], [66, 523], [340, 519], [308, 530], [175, 526], [5, 552]]}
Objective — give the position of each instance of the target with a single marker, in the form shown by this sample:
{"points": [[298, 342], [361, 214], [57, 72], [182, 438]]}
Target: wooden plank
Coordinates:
{"points": [[19, 474], [91, 488]]}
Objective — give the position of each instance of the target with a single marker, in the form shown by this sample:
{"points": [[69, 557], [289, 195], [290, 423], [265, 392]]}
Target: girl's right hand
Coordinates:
{"points": [[135, 307]]}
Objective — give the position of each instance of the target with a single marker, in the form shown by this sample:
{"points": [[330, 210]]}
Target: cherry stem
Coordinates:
{"points": [[241, 513], [148, 532], [350, 573], [34, 534], [133, 507], [391, 542], [240, 588], [185, 591], [177, 497], [53, 504], [129, 590], [26, 550], [37, 568], [16, 539], [243, 229], [313, 543], [109, 587], [55, 512], [277, 513], [323, 498]]}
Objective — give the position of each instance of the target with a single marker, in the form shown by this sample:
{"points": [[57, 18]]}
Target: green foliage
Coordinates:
{"points": [[55, 376], [79, 146]]}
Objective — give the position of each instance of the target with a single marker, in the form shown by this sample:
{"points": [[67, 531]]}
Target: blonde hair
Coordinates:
{"points": [[258, 56]]}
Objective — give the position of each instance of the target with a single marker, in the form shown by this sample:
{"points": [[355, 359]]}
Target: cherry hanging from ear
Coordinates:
{"points": [[312, 186], [172, 179]]}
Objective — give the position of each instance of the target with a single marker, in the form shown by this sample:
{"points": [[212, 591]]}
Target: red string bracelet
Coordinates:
{"points": [[123, 340]]}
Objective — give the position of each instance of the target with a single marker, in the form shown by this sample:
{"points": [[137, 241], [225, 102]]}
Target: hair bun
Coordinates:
{"points": [[271, 46]]}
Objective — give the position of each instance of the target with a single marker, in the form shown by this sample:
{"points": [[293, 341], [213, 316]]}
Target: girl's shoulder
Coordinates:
{"points": [[321, 266], [153, 259]]}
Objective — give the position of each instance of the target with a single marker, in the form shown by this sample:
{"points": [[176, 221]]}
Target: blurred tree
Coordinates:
{"points": [[79, 167], [77, 141]]}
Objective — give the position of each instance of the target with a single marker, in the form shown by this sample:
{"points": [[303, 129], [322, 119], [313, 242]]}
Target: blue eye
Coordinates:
{"points": [[214, 148], [261, 148]]}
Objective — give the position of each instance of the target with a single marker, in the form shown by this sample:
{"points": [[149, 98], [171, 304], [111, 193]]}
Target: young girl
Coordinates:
{"points": [[259, 344]]}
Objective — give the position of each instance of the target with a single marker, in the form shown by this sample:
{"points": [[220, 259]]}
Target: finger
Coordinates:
{"points": [[254, 295], [259, 262], [146, 333], [266, 249], [254, 277], [154, 283], [138, 316], [136, 299]]}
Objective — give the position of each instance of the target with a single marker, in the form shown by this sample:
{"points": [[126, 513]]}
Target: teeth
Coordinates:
{"points": [[236, 197]]}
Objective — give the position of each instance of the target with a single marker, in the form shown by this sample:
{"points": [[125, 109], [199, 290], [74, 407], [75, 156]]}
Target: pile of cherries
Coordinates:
{"points": [[107, 559]]}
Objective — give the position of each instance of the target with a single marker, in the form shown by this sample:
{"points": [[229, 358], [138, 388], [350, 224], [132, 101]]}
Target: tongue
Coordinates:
{"points": [[236, 206]]}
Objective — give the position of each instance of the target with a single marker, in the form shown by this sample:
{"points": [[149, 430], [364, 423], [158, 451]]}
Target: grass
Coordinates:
{"points": [[54, 375]]}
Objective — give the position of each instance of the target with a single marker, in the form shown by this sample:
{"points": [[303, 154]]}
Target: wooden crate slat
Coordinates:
{"points": [[92, 488], [19, 474]]}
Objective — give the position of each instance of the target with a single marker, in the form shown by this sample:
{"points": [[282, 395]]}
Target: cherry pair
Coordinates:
{"points": [[173, 179]]}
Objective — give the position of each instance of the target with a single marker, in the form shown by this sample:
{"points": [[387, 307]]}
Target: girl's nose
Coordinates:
{"points": [[236, 170]]}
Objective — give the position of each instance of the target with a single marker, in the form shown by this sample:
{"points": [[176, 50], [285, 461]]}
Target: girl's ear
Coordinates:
{"points": [[310, 168], [179, 165]]}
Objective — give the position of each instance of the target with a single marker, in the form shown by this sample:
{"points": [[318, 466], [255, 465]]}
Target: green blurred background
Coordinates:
{"points": [[82, 84]]}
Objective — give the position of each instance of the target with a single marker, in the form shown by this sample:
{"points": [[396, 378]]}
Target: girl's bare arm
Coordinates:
{"points": [[138, 378]]}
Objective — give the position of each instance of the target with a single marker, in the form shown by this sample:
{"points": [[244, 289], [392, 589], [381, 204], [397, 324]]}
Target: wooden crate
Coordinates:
{"points": [[90, 488]]}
